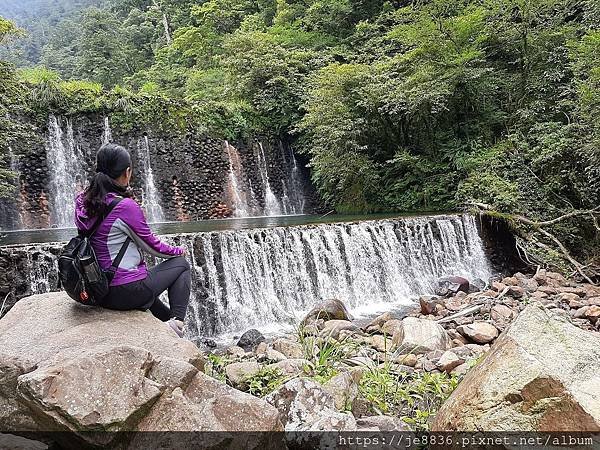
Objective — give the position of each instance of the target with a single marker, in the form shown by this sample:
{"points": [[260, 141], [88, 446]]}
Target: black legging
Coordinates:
{"points": [[172, 275]]}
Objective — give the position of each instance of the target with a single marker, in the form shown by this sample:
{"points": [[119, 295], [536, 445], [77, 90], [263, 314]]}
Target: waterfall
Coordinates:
{"points": [[272, 205], [66, 172], [237, 196], [258, 278], [268, 278], [293, 200], [106, 133], [150, 196]]}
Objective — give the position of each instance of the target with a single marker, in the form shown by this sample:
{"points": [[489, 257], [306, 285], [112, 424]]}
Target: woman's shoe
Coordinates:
{"points": [[177, 326]]}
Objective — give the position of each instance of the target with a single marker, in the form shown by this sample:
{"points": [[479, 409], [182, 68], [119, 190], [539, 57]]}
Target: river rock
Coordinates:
{"points": [[274, 355], [381, 343], [593, 313], [428, 304], [541, 375], [419, 336], [289, 348], [250, 340], [291, 367], [333, 328], [479, 332], [448, 361], [502, 314], [332, 309], [451, 285], [236, 351], [68, 367], [390, 327], [239, 371], [305, 406], [375, 325], [344, 388]]}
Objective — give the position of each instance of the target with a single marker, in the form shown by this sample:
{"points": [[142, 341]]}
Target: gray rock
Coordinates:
{"points": [[344, 388], [479, 332], [239, 371], [289, 348], [420, 336], [250, 340], [305, 406]]}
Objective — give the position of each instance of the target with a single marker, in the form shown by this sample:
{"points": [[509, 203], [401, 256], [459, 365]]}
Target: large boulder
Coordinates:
{"points": [[206, 405], [414, 335], [542, 374], [68, 367]]}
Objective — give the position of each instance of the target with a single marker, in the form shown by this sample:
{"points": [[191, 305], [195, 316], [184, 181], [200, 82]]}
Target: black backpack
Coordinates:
{"points": [[78, 270]]}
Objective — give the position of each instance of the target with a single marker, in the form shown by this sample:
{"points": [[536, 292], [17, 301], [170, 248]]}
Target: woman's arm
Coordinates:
{"points": [[138, 230]]}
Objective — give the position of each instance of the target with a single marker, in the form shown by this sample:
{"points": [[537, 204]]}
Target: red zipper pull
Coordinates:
{"points": [[84, 296]]}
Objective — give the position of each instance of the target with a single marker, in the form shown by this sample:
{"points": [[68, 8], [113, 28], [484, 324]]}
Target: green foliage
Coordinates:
{"points": [[265, 381], [324, 354], [415, 397], [215, 366]]}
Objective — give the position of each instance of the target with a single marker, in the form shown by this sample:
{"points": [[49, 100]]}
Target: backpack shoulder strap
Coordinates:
{"points": [[114, 202], [115, 264]]}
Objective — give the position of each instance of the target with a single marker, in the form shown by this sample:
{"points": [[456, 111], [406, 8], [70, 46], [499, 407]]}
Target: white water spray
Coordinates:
{"points": [[107, 132], [150, 196], [66, 172], [272, 205], [258, 278]]}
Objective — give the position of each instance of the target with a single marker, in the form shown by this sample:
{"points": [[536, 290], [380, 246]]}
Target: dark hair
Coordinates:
{"points": [[111, 161]]}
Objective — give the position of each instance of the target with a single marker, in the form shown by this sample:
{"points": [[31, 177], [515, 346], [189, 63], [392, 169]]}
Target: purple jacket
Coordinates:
{"points": [[125, 220]]}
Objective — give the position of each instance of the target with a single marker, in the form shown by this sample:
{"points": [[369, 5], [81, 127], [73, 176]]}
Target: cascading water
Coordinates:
{"points": [[107, 132], [261, 278], [272, 205], [67, 175], [150, 196], [237, 196], [293, 200], [267, 278]]}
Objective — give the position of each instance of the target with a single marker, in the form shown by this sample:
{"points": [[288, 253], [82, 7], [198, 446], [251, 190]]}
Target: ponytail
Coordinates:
{"points": [[111, 161]]}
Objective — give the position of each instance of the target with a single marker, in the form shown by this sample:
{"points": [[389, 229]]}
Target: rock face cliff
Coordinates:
{"points": [[191, 171], [67, 367]]}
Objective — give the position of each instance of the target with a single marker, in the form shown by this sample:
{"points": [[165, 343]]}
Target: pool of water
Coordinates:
{"points": [[64, 234]]}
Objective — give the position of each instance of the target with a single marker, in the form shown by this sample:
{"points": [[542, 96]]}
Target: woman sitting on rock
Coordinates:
{"points": [[134, 286]]}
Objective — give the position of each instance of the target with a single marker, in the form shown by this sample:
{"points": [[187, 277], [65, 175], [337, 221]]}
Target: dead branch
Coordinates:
{"points": [[538, 226], [558, 219], [567, 255], [464, 312]]}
